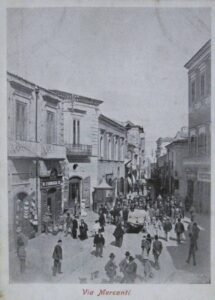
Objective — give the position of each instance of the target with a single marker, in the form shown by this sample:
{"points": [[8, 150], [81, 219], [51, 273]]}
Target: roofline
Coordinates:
{"points": [[32, 84], [83, 99], [177, 142], [132, 125], [104, 118], [198, 54], [164, 139]]}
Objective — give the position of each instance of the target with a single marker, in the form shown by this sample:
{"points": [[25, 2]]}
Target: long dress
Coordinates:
{"points": [[83, 231], [118, 233]]}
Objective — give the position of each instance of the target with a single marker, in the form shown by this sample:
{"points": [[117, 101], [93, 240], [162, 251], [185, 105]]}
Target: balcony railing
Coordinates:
{"points": [[79, 150]]}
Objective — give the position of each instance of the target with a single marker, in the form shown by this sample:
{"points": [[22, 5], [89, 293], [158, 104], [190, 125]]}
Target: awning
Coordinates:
{"points": [[129, 181], [127, 162], [103, 185], [133, 179]]}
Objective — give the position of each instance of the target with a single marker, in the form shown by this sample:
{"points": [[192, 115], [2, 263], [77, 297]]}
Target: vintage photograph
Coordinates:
{"points": [[109, 145]]}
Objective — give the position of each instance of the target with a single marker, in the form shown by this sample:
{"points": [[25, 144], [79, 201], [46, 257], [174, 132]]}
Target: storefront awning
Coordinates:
{"points": [[103, 185], [127, 163], [129, 181], [133, 179]]}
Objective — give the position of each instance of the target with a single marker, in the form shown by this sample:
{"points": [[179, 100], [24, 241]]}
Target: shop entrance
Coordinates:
{"points": [[51, 204], [74, 192]]}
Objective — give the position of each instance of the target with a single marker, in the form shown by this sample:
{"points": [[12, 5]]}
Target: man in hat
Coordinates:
{"points": [[131, 271], [57, 256], [179, 229], [99, 242], [157, 249], [123, 264], [145, 245], [192, 249], [167, 227], [110, 268]]}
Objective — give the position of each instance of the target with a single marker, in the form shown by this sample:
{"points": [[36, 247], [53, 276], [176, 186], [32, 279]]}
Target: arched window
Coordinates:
{"points": [[101, 147], [202, 143]]}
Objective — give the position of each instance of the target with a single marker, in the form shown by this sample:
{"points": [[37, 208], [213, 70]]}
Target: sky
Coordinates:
{"points": [[131, 58]]}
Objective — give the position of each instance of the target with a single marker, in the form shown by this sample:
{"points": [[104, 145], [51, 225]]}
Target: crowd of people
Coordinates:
{"points": [[162, 216]]}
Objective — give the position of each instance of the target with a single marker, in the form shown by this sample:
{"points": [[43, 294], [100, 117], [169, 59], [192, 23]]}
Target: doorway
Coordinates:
{"points": [[51, 204], [74, 192]]}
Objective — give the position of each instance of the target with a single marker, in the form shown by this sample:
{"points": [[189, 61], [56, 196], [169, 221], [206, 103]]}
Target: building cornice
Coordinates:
{"points": [[202, 51], [24, 82], [109, 121], [77, 98]]}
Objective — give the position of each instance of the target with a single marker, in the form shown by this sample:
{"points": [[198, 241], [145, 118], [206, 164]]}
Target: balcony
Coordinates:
{"points": [[31, 149], [50, 151], [78, 152], [23, 149]]}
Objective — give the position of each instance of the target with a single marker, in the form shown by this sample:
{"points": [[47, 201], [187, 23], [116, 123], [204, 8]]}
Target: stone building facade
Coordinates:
{"points": [[81, 115], [35, 155], [135, 167], [198, 163], [177, 150], [112, 147], [161, 146]]}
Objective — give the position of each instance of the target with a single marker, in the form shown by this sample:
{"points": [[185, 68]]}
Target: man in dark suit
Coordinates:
{"points": [[57, 256]]}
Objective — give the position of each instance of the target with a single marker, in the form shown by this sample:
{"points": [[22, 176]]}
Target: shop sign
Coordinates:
{"points": [[203, 176], [50, 183]]}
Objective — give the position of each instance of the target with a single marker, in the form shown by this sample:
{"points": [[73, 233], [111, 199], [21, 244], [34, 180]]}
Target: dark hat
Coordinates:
{"points": [[127, 253], [59, 241], [131, 258], [112, 255]]}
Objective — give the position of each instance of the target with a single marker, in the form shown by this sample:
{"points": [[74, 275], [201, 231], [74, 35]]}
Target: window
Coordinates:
{"points": [[21, 121], [109, 148], [116, 150], [176, 184], [193, 91], [76, 132], [202, 84], [101, 147], [193, 144], [202, 143], [122, 151], [51, 128]]}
